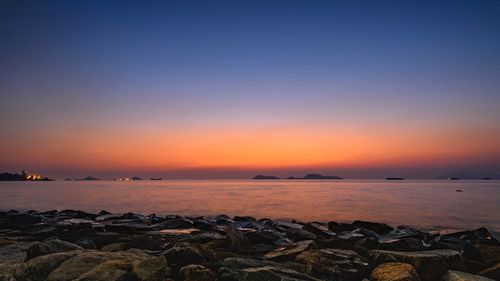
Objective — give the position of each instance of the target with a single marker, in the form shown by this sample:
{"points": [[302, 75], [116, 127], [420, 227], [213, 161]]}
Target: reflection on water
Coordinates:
{"points": [[424, 203]]}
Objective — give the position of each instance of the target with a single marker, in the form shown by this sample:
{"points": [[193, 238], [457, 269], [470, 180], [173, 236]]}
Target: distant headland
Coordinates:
{"points": [[24, 176], [306, 177]]}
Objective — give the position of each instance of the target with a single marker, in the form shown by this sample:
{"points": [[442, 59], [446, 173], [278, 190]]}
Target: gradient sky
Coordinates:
{"points": [[202, 89]]}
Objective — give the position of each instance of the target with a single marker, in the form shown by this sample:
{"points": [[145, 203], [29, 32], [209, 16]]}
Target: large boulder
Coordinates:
{"points": [[112, 270], [452, 275], [37, 269], [289, 252], [394, 271], [334, 264], [49, 247], [430, 265], [151, 269], [11, 272], [196, 272], [183, 253], [379, 228], [14, 252]]}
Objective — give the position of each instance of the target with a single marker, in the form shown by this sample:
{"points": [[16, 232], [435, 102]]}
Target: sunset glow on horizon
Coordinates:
{"points": [[190, 87]]}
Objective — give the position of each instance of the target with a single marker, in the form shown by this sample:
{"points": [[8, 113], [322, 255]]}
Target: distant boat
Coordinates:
{"points": [[394, 179], [156, 179], [486, 179], [453, 178]]}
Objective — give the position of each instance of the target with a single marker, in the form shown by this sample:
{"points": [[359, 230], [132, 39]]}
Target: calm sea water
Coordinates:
{"points": [[422, 203]]}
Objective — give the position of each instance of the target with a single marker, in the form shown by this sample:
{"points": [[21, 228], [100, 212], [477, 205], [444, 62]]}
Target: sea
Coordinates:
{"points": [[427, 204]]}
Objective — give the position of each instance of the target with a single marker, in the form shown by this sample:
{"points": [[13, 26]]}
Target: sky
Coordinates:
{"points": [[229, 89]]}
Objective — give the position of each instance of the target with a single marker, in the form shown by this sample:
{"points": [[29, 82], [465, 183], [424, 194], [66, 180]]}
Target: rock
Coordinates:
{"points": [[237, 241], [394, 271], [151, 269], [11, 272], [318, 229], [289, 252], [182, 254], [14, 252], [492, 272], [113, 270], [49, 247], [196, 272], [379, 228], [37, 269], [24, 219], [452, 275], [86, 243], [334, 264], [406, 244], [299, 234], [489, 254], [267, 236], [144, 242], [236, 269], [115, 247], [84, 262], [430, 265], [176, 223]]}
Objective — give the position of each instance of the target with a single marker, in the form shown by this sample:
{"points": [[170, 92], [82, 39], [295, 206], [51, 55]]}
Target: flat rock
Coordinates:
{"points": [[452, 275], [334, 264], [430, 265], [37, 269], [394, 271], [289, 252]]}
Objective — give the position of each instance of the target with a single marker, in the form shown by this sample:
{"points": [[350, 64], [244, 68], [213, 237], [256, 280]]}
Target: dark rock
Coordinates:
{"points": [[379, 228], [404, 244], [182, 254], [37, 269], [237, 241], [14, 252], [267, 236], [334, 264], [86, 243], [318, 229], [112, 270], [492, 272], [176, 223], [340, 227], [24, 219], [452, 275], [299, 234], [11, 272]]}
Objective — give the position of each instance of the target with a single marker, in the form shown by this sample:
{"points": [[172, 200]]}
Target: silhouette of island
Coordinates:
{"points": [[156, 179], [394, 179], [89, 178], [136, 178], [316, 177], [263, 177]]}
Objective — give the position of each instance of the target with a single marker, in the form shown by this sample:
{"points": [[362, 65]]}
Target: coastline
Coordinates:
{"points": [[71, 244]]}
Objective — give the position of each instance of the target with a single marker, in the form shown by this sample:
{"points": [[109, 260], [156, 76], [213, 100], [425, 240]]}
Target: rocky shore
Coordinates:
{"points": [[76, 245]]}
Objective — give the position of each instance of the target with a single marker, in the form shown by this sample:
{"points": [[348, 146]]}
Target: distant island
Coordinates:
{"points": [[316, 177], [156, 179], [89, 178], [263, 177], [24, 176], [470, 175], [394, 179]]}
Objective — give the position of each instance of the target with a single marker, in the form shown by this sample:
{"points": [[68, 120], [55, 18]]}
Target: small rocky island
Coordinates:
{"points": [[263, 177], [24, 176], [76, 245], [316, 177]]}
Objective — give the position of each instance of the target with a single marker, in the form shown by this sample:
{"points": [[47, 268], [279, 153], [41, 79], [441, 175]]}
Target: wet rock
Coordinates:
{"points": [[492, 272], [334, 243], [236, 269], [299, 234], [404, 244], [196, 272], [176, 223], [430, 265], [49, 247], [489, 254], [394, 271], [144, 242], [318, 229], [86, 243], [105, 217], [24, 219], [379, 228], [151, 269], [203, 224], [452, 275], [340, 227], [267, 236], [237, 241], [334, 264], [364, 245], [290, 252], [37, 269]]}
